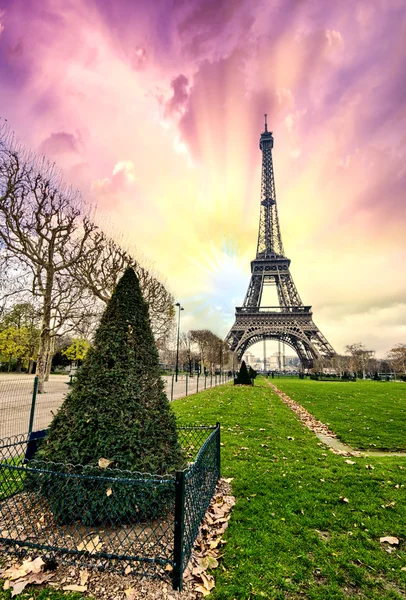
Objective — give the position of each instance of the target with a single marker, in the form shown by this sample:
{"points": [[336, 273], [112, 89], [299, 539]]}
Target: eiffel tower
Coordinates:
{"points": [[291, 322]]}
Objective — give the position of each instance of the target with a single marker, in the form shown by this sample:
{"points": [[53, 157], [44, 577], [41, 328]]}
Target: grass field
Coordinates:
{"points": [[364, 414], [306, 523]]}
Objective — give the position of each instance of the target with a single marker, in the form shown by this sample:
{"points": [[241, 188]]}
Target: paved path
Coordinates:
{"points": [[16, 396], [324, 434]]}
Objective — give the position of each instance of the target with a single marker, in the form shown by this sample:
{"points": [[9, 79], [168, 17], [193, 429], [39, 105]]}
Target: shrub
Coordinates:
{"points": [[117, 409], [243, 377]]}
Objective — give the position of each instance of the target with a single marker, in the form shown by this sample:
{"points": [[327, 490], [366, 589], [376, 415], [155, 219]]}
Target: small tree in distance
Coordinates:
{"points": [[243, 377]]}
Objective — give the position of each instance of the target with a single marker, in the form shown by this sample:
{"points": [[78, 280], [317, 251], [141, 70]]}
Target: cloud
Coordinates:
{"points": [[109, 190], [176, 105], [60, 143]]}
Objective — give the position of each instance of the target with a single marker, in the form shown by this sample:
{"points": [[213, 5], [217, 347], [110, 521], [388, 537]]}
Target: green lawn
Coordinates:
{"points": [[291, 535], [364, 414], [11, 480]]}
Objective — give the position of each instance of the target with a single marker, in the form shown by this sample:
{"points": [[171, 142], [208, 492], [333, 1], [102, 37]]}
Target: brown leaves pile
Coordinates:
{"points": [[29, 572], [307, 419], [207, 549]]}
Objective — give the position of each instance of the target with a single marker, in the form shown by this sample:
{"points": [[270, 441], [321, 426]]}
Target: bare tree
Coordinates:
{"points": [[43, 223], [15, 281], [213, 351], [397, 357], [360, 357], [103, 266]]}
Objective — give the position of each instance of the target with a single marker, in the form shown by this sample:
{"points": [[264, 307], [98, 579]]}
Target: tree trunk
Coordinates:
{"points": [[45, 336], [30, 366], [19, 365], [50, 355]]}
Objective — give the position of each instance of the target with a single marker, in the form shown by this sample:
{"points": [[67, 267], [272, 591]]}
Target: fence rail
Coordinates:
{"points": [[116, 520]]}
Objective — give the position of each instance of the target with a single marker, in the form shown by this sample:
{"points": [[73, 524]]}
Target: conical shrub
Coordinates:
{"points": [[243, 377], [117, 409]]}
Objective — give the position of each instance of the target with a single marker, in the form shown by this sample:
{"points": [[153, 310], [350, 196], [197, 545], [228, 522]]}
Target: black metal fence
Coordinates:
{"points": [[185, 385], [110, 519], [22, 409]]}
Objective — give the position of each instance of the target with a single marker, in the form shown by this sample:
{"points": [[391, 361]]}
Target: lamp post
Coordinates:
{"points": [[177, 341]]}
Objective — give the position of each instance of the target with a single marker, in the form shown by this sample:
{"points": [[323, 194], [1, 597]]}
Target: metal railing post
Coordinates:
{"points": [[186, 382], [197, 383], [205, 378], [218, 449], [33, 401], [179, 530], [172, 387], [211, 379]]}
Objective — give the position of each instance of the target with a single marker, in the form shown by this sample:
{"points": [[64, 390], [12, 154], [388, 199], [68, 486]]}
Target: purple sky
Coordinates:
{"points": [[154, 109]]}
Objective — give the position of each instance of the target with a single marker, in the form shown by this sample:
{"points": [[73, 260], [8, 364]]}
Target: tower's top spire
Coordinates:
{"points": [[266, 136]]}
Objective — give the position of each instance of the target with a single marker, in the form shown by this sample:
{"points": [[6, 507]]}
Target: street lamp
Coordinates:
{"points": [[177, 342]]}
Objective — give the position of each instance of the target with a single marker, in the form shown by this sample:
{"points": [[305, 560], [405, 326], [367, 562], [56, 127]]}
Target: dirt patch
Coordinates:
{"points": [[104, 585]]}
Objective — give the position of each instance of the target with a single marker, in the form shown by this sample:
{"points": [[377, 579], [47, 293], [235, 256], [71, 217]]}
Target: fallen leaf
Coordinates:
{"points": [[91, 546], [228, 479], [168, 567], [18, 587], [391, 540], [130, 593], [390, 505], [14, 573], [350, 462], [109, 492], [84, 577], [6, 585], [104, 463], [202, 590], [74, 588], [208, 581], [344, 499], [290, 437], [369, 467], [209, 562]]}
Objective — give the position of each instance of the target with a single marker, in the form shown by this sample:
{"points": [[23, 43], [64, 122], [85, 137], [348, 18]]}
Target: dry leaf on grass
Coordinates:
{"points": [[33, 578], [350, 462], [74, 588], [27, 567], [84, 577], [130, 593], [344, 499], [104, 463], [389, 539]]}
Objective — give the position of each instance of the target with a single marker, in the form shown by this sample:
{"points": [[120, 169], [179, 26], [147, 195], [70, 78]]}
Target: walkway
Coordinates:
{"points": [[323, 432]]}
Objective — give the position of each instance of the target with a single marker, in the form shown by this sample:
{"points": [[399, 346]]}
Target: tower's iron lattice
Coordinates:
{"points": [[291, 322]]}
